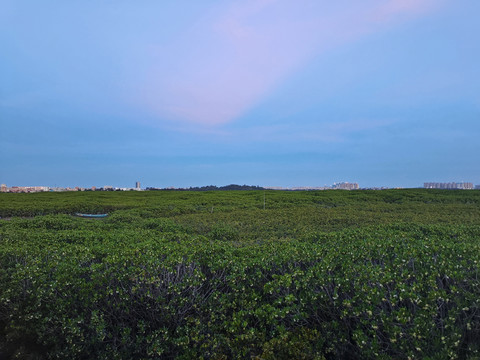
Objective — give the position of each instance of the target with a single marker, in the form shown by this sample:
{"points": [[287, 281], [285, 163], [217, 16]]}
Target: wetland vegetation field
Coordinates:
{"points": [[390, 274]]}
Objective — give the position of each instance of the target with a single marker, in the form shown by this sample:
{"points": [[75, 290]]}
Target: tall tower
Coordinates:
{"points": [[137, 185]]}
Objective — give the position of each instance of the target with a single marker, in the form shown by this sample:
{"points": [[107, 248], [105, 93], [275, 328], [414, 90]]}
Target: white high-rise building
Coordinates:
{"points": [[346, 186]]}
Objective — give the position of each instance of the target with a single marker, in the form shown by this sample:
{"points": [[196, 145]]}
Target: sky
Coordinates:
{"points": [[259, 92]]}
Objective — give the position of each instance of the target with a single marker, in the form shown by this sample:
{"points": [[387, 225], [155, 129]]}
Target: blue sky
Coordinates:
{"points": [[261, 92]]}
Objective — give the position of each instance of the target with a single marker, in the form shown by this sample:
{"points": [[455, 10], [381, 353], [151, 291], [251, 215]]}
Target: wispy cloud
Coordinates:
{"points": [[390, 10], [236, 55], [324, 132]]}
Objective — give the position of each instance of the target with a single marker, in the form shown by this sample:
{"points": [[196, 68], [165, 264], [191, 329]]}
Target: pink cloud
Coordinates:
{"points": [[239, 52], [391, 10]]}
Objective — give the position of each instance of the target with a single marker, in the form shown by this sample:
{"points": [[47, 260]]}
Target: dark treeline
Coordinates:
{"points": [[213, 188]]}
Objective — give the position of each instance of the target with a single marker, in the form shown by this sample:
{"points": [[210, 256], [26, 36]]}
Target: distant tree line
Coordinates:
{"points": [[212, 188]]}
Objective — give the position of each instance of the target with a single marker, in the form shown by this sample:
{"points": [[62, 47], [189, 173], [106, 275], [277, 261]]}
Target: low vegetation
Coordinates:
{"points": [[224, 275]]}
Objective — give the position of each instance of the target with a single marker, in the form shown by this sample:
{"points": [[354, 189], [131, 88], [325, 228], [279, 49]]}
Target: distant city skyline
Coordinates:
{"points": [[260, 92], [335, 186]]}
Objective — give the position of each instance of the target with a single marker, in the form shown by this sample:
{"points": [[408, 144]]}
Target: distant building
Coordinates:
{"points": [[27, 189], [3, 188], [449, 185], [137, 185], [465, 186], [346, 186]]}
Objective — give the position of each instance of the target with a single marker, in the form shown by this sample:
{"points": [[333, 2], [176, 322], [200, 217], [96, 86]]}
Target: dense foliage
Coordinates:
{"points": [[215, 275]]}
